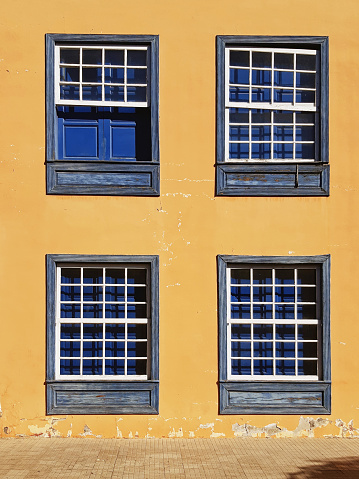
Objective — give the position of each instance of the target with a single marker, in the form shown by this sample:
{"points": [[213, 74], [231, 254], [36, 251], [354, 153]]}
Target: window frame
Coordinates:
{"points": [[98, 177], [236, 178], [104, 396], [288, 396]]}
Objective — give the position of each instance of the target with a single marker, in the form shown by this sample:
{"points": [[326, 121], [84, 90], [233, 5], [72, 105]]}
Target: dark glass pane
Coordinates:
{"points": [[284, 96], [262, 331], [283, 150], [136, 311], [305, 151], [261, 116], [283, 133], [115, 349], [70, 275], [70, 310], [136, 57], [285, 368], [239, 58], [137, 331], [285, 331], [92, 293], [241, 349], [92, 348], [239, 76], [93, 93], [304, 133], [307, 350], [306, 311], [92, 75], [261, 94], [115, 276], [261, 311], [282, 116], [262, 294], [113, 366], [114, 75], [305, 80], [241, 293], [240, 311], [115, 293], [115, 331], [70, 74], [261, 133], [238, 115], [306, 62], [306, 295], [69, 92], [284, 294], [261, 77], [70, 348], [261, 150], [115, 310], [92, 276], [114, 57], [92, 57], [306, 276], [240, 276], [285, 350], [114, 93], [305, 96], [238, 133], [262, 59], [284, 61], [262, 367], [138, 349], [262, 350], [93, 331], [92, 310], [70, 293], [136, 93], [305, 117], [262, 276], [136, 276], [238, 94], [137, 367], [239, 150], [307, 368], [70, 55], [241, 331], [307, 331], [284, 276], [284, 311], [136, 294], [283, 78], [241, 366], [71, 331], [69, 366], [92, 367], [137, 75]]}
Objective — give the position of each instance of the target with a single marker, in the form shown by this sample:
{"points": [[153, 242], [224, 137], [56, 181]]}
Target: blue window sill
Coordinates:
{"points": [[102, 397], [281, 397]]}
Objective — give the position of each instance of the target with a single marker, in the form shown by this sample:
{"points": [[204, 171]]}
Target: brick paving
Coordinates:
{"points": [[26, 458]]}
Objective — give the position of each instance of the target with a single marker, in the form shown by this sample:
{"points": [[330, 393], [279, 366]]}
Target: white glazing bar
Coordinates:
{"points": [[103, 74], [275, 50], [125, 77]]}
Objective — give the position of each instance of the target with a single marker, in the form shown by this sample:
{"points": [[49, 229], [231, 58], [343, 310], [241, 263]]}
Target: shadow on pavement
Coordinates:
{"points": [[335, 468]]}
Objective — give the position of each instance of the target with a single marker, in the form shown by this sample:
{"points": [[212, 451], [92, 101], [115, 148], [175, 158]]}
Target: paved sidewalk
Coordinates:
{"points": [[179, 458]]}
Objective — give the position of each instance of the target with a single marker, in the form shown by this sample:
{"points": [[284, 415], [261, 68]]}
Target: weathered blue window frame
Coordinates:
{"points": [[274, 397], [269, 179], [91, 176], [111, 396]]}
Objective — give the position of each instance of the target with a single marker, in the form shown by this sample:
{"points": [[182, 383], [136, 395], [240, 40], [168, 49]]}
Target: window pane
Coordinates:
{"points": [[70, 74], [92, 367], [261, 133], [70, 331], [69, 366], [114, 93], [137, 75], [70, 275], [240, 276], [285, 331], [284, 96], [70, 311], [284, 294], [307, 350], [306, 311], [261, 116], [285, 350], [115, 349], [262, 276], [262, 350], [92, 93], [136, 311], [114, 75], [284, 276], [286, 368], [284, 61], [93, 331], [307, 368], [137, 367], [238, 115], [261, 311], [114, 367], [239, 133], [92, 310], [70, 293], [92, 57], [262, 331], [307, 331], [137, 331], [92, 293], [262, 294], [305, 96], [92, 348], [115, 293], [261, 150], [70, 348], [284, 311], [240, 311], [241, 349], [92, 75], [306, 276], [136, 93], [306, 295], [283, 78], [114, 57], [69, 92], [262, 59], [241, 293], [115, 331], [239, 150], [115, 310], [241, 331], [239, 76], [305, 80], [304, 133], [306, 62], [282, 116], [136, 276], [239, 58], [261, 94], [115, 276], [304, 151], [136, 294], [92, 276], [70, 55], [238, 94], [262, 367], [241, 367], [305, 117], [283, 133], [136, 57], [282, 150], [261, 77]]}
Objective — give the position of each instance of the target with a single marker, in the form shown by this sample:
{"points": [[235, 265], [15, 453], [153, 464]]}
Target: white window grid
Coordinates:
{"points": [[103, 102], [251, 321], [101, 321], [272, 105]]}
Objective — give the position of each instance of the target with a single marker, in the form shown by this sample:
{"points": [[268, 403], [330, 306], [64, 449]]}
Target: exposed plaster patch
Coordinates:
{"points": [[191, 434], [217, 434], [207, 426], [187, 179], [7, 430], [46, 431], [341, 342], [346, 430], [305, 428], [88, 432], [119, 433], [185, 195], [170, 285], [175, 433]]}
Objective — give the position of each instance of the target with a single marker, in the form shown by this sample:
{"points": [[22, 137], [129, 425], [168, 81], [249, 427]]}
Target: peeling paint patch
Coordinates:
{"points": [[305, 428], [346, 430], [217, 434], [46, 431], [191, 434], [207, 426], [175, 433], [88, 432]]}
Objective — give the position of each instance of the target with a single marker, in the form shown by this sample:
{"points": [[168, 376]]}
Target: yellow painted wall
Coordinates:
{"points": [[187, 225]]}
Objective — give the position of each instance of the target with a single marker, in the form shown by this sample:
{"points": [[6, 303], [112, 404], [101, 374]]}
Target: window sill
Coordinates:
{"points": [[272, 179], [263, 397], [102, 397], [100, 178]]}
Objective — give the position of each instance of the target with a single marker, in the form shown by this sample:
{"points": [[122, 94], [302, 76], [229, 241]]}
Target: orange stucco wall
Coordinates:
{"points": [[187, 226]]}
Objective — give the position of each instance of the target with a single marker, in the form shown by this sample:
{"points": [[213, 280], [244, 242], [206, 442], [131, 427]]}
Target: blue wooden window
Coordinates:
{"points": [[272, 116], [102, 114], [102, 330], [274, 338]]}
